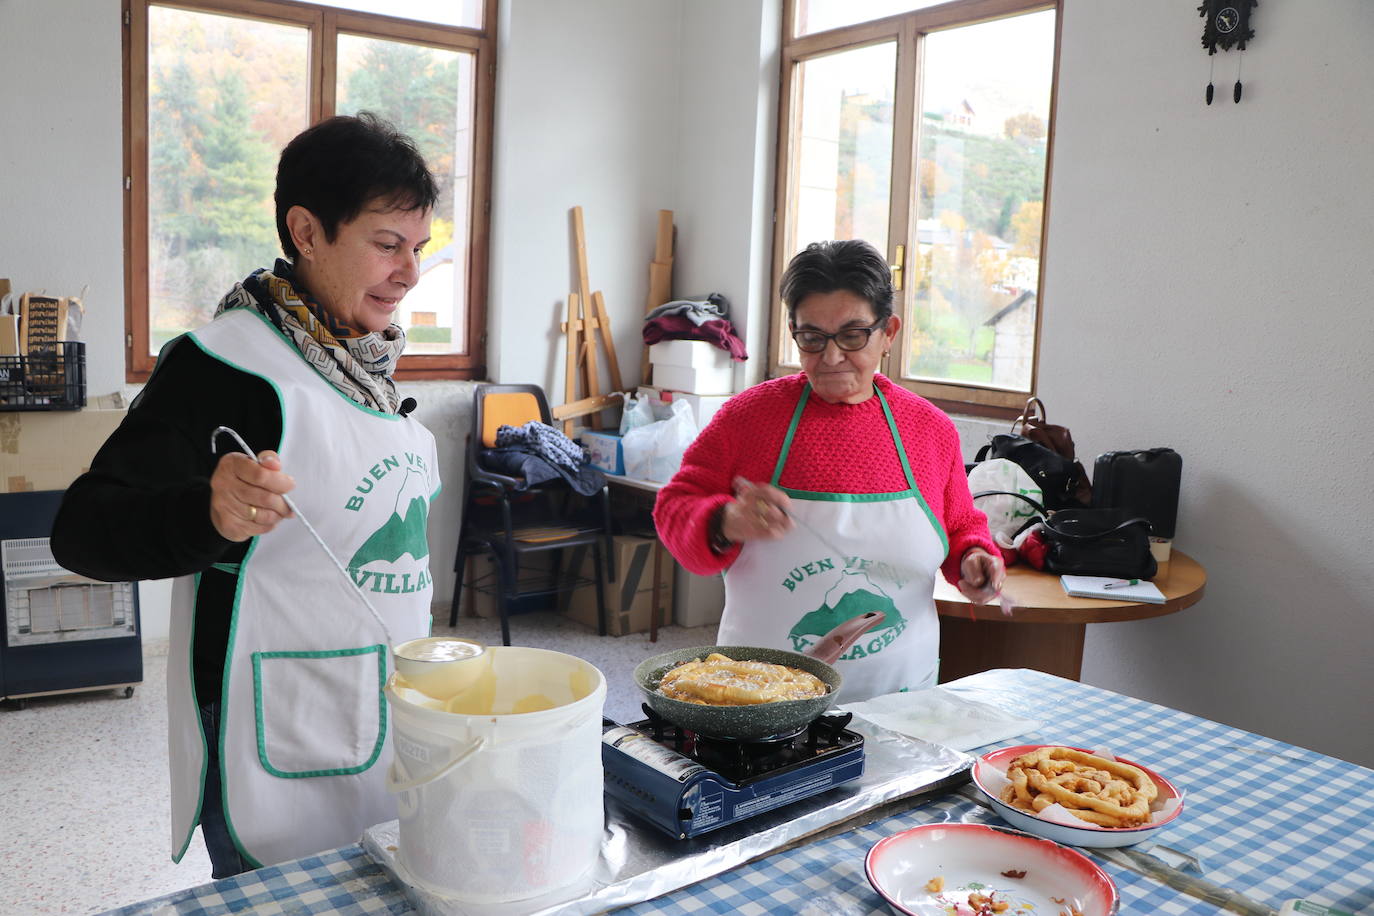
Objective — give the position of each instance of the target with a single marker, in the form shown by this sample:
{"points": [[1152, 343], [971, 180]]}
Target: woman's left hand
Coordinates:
{"points": [[980, 575]]}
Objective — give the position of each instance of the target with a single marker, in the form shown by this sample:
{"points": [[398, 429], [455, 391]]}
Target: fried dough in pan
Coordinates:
{"points": [[719, 680]]}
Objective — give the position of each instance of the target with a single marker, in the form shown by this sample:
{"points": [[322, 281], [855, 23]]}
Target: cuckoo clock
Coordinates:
{"points": [[1227, 26]]}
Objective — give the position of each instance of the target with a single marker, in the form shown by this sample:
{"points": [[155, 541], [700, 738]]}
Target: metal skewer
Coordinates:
{"points": [[1006, 602], [353, 586], [825, 541]]}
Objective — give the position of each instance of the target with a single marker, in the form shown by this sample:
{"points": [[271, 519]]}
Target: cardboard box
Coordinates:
{"points": [[630, 598], [47, 450], [9, 335], [482, 572], [42, 322], [695, 381], [604, 451]]}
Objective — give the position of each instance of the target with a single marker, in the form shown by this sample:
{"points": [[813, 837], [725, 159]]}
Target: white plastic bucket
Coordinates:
{"points": [[502, 805]]}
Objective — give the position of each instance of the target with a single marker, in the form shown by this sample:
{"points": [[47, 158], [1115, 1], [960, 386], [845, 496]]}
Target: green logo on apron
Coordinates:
{"points": [[402, 534], [852, 595]]}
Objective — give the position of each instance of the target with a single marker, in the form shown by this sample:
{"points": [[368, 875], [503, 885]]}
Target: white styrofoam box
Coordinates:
{"points": [[695, 381], [662, 409], [695, 354], [704, 406], [697, 600]]}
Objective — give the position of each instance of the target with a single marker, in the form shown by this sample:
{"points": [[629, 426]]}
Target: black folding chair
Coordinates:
{"points": [[513, 522]]}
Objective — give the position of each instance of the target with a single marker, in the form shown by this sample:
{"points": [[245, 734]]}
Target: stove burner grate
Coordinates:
{"points": [[742, 759]]}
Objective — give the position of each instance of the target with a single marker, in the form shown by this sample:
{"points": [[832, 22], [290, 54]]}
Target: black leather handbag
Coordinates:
{"points": [[1093, 542], [1059, 478], [1099, 542]]}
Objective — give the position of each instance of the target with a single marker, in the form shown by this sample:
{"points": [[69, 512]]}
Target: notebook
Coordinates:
{"points": [[1119, 590]]}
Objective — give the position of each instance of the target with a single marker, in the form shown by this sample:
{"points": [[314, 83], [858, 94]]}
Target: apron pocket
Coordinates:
{"points": [[319, 713]]}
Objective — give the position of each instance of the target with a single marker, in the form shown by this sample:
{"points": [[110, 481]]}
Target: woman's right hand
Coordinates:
{"points": [[246, 496], [759, 511]]}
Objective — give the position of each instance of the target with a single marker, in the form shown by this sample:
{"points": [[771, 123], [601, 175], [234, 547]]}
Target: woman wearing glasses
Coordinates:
{"points": [[832, 493]]}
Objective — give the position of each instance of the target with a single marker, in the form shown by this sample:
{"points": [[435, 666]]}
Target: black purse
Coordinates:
{"points": [[1059, 478], [1093, 542], [1099, 542]]}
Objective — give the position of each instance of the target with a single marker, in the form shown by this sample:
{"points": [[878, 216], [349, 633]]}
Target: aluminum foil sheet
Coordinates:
{"points": [[638, 863]]}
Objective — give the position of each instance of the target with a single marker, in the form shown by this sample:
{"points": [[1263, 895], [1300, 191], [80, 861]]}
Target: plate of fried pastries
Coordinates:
{"points": [[1076, 796]]}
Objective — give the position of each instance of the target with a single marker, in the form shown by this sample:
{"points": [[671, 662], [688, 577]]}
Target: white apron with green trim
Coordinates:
{"points": [[304, 738], [790, 592]]}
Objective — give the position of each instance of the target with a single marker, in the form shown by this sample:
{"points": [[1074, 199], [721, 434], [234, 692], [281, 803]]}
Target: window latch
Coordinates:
{"points": [[897, 268]]}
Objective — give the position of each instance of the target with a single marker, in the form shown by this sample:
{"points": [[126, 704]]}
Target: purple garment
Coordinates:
{"points": [[678, 327]]}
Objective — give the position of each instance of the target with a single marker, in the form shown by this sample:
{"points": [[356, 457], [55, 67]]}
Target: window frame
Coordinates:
{"points": [[325, 24], [906, 31]]}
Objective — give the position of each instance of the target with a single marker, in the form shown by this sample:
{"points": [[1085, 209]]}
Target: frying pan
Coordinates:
{"points": [[763, 719]]}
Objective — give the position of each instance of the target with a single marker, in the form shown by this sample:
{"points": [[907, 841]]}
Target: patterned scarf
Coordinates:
{"points": [[359, 366]]}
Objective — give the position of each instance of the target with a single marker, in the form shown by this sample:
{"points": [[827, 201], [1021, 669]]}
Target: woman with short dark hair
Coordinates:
{"points": [[832, 493], [278, 745], [852, 264]]}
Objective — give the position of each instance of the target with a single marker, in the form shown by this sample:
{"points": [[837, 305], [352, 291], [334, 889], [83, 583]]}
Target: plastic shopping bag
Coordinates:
{"points": [[654, 451], [1007, 515], [635, 412]]}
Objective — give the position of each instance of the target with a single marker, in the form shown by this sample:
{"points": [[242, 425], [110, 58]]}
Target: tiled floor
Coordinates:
{"points": [[84, 807]]}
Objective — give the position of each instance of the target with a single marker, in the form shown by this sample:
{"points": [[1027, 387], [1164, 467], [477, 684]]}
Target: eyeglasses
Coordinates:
{"points": [[848, 339]]}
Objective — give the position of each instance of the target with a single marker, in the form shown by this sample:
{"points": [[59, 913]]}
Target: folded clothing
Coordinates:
{"points": [[545, 441], [697, 311], [534, 469], [716, 331]]}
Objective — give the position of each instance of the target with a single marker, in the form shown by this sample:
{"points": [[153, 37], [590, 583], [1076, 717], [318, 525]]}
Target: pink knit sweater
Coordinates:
{"points": [[842, 448]]}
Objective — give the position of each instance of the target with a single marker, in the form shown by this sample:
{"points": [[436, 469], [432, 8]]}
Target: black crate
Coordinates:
{"points": [[45, 380]]}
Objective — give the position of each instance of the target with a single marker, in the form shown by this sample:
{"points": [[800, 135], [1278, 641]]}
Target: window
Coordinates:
{"points": [[216, 88], [926, 133]]}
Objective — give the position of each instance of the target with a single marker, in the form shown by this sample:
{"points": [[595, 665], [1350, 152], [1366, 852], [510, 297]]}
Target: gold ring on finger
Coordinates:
{"points": [[252, 513]]}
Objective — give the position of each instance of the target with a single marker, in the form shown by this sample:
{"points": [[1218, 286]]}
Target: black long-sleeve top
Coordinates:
{"points": [[143, 509]]}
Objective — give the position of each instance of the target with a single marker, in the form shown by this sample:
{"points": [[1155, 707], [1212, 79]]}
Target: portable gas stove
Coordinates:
{"points": [[687, 784]]}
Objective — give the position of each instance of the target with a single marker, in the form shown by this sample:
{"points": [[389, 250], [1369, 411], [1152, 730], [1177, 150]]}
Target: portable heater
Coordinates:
{"points": [[62, 632]]}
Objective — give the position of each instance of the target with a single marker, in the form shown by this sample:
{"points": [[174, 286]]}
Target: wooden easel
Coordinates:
{"points": [[660, 278], [587, 320]]}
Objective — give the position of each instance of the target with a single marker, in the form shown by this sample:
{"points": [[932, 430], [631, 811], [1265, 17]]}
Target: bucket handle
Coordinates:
{"points": [[395, 784]]}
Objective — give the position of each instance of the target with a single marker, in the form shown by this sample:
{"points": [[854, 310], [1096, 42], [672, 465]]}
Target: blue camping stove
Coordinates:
{"points": [[687, 784]]}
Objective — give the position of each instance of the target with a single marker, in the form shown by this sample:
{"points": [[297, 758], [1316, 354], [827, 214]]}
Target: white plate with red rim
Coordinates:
{"points": [[965, 869], [991, 768]]}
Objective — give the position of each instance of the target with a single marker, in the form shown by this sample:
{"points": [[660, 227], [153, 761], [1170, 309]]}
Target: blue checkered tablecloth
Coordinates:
{"points": [[344, 881], [1268, 819], [828, 877], [1264, 819]]}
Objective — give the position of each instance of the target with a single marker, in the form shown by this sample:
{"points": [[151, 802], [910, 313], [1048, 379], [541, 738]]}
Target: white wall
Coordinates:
{"points": [[61, 172], [1207, 288], [726, 132], [1205, 280], [628, 107], [585, 116]]}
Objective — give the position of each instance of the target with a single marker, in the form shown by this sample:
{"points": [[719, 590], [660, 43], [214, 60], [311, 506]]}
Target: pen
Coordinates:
{"points": [[1126, 584]]}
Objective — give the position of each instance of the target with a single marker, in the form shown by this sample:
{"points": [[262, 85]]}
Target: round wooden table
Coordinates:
{"points": [[1046, 630]]}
